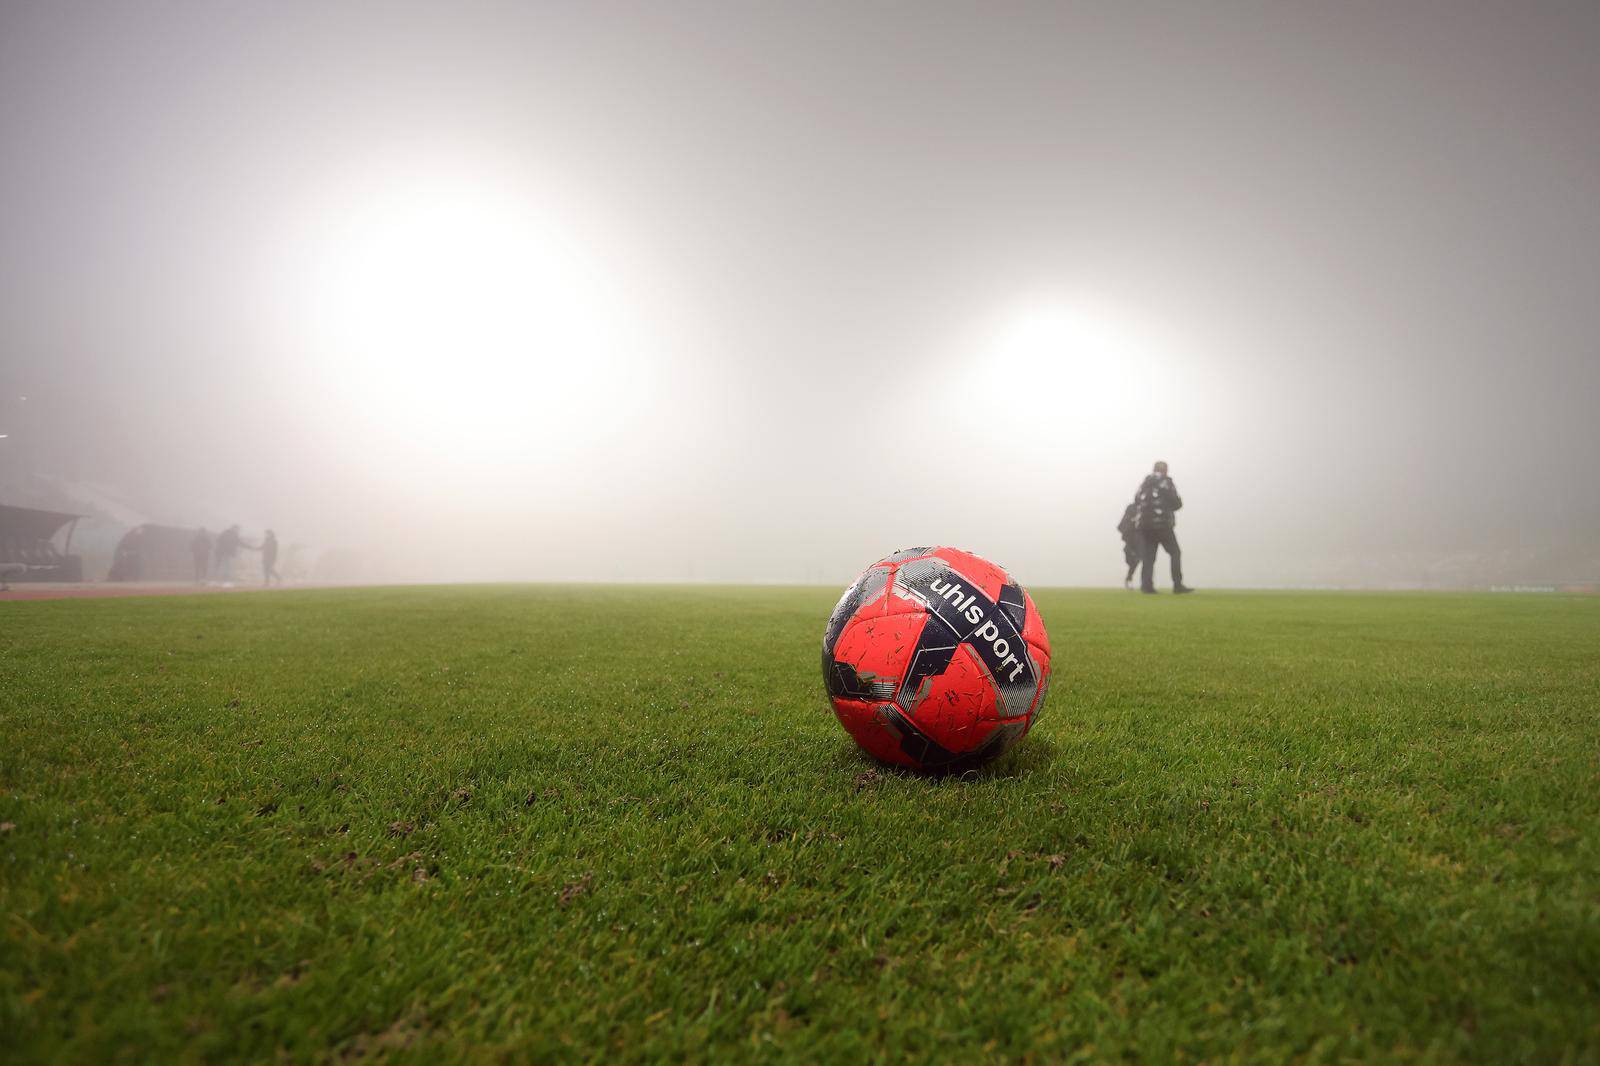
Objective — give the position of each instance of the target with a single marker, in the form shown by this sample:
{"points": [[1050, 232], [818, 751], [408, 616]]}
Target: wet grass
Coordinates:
{"points": [[561, 822]]}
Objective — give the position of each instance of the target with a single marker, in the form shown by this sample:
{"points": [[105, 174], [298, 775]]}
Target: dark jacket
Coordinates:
{"points": [[1127, 527], [1155, 503]]}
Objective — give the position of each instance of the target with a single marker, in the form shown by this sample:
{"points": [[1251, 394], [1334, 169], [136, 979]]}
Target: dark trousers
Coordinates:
{"points": [[1149, 541]]}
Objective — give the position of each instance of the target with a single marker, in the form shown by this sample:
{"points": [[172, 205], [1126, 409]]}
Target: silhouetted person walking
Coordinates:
{"points": [[1155, 505], [269, 559], [201, 547], [1130, 543], [228, 545]]}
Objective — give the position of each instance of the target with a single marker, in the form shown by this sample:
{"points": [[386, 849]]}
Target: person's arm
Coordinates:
{"points": [[1177, 501]]}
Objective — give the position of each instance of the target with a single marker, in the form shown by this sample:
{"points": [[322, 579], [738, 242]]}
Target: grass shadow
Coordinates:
{"points": [[1033, 753]]}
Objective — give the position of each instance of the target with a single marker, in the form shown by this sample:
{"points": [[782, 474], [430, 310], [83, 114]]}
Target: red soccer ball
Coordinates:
{"points": [[936, 659]]}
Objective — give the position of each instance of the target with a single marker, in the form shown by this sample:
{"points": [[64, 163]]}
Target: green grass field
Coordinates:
{"points": [[621, 823]]}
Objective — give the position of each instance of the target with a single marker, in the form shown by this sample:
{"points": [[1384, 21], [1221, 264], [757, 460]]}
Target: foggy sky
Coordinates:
{"points": [[727, 291]]}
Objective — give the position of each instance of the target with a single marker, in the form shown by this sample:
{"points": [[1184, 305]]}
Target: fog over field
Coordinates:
{"points": [[738, 292]]}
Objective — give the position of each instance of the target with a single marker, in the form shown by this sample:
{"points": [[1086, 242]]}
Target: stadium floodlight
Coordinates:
{"points": [[456, 303]]}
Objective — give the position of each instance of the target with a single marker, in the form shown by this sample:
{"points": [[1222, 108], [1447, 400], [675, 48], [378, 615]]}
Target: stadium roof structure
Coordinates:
{"points": [[30, 523], [27, 545]]}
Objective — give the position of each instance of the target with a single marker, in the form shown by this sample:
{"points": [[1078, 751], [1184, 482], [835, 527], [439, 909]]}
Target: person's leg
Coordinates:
{"points": [[1169, 541], [1130, 555], [1148, 542]]}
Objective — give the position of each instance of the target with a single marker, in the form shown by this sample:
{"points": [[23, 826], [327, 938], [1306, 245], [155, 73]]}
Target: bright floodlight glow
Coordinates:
{"points": [[1080, 359], [1082, 372], [457, 316]]}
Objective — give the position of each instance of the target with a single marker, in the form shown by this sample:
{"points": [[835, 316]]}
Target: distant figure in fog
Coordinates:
{"points": [[1155, 506], [201, 547], [269, 559], [227, 549], [1130, 543]]}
